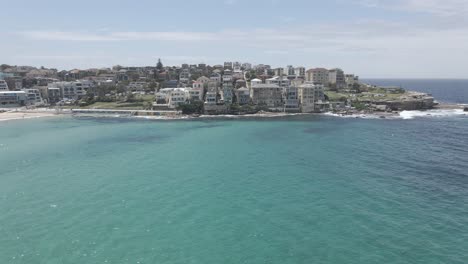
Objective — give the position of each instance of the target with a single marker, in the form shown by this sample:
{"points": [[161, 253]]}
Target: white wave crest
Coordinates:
{"points": [[433, 113]]}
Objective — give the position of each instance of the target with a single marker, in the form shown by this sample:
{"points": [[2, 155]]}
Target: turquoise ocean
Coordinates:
{"points": [[302, 189]]}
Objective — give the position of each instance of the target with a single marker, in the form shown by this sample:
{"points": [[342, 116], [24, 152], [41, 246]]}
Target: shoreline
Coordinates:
{"points": [[443, 110]]}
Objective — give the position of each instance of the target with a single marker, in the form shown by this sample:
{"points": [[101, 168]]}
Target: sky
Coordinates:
{"points": [[371, 38]]}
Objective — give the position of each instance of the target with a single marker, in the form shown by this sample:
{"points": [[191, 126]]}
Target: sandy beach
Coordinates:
{"points": [[9, 115]]}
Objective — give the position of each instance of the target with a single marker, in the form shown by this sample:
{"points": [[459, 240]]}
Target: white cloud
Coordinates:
{"points": [[441, 8]]}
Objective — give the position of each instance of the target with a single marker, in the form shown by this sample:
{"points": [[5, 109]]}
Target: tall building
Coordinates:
{"points": [[269, 95], [309, 95], [228, 65], [299, 72]]}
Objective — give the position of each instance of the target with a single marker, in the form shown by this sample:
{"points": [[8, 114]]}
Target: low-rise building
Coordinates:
{"points": [[137, 86], [243, 96], [3, 85], [13, 98], [278, 80]]}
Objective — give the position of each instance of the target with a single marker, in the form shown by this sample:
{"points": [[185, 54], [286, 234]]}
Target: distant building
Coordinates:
{"points": [[198, 85], [299, 72], [246, 66], [195, 94], [185, 77], [336, 77], [317, 76], [278, 80], [71, 90], [351, 79], [137, 86], [3, 85], [228, 65], [255, 82], [289, 70]]}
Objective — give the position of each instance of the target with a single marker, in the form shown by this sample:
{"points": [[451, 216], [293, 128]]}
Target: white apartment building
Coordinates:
{"points": [[137, 86], [185, 77], [195, 94], [299, 72], [3, 85], [255, 82], [33, 96], [72, 90], [13, 98], [278, 80]]}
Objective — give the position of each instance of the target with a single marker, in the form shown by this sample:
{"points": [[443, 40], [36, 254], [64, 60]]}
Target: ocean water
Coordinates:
{"points": [[303, 189], [444, 90]]}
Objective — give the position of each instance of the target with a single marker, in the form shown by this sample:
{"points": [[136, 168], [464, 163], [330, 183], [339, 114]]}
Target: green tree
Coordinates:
{"points": [[159, 65]]}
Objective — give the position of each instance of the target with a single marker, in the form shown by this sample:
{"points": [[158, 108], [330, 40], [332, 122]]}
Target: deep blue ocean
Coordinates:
{"points": [[299, 190], [444, 90]]}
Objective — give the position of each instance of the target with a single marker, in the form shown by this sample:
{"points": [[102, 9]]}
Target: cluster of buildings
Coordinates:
{"points": [[292, 89]]}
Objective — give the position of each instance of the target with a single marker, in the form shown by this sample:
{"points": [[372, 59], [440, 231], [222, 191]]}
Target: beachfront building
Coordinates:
{"points": [[269, 95], [177, 97], [71, 90], [310, 95], [210, 98], [33, 96], [278, 80], [3, 85], [13, 98], [336, 78], [227, 87], [291, 99], [195, 94], [243, 96], [317, 76]]}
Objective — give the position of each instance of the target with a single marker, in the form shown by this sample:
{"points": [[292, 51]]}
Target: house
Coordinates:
{"points": [[215, 77], [204, 79], [243, 96], [317, 76], [198, 85], [351, 80], [137, 86], [255, 82], [211, 98], [310, 95], [278, 80], [13, 98], [269, 95], [185, 77]]}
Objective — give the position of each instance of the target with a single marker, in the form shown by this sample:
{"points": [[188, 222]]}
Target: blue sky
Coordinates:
{"points": [[372, 38]]}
